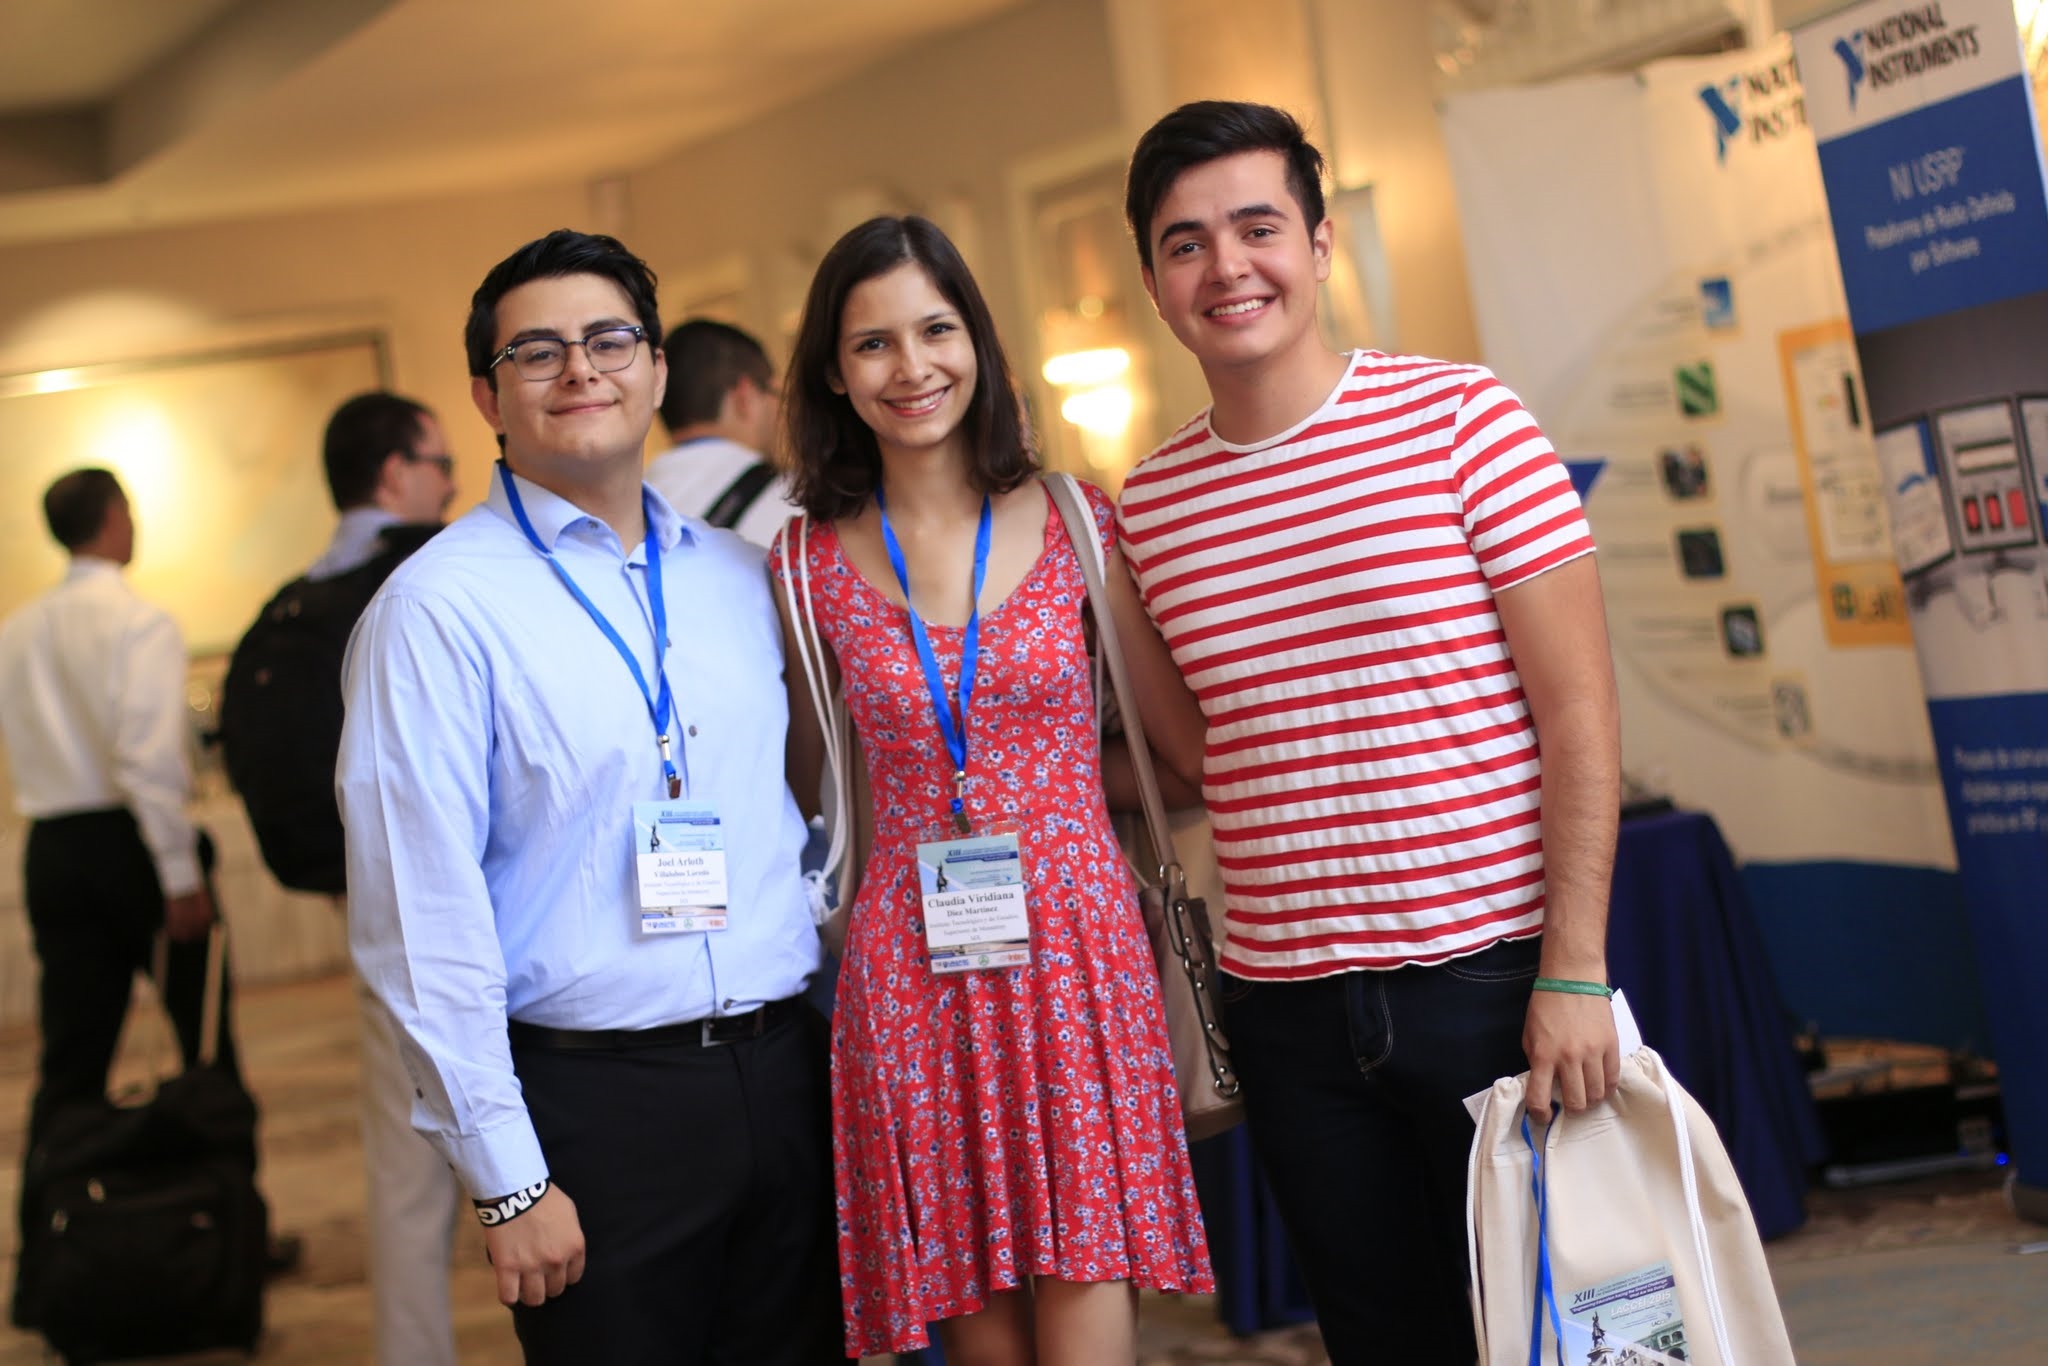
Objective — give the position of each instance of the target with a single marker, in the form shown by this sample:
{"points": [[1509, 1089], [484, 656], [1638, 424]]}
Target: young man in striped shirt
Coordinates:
{"points": [[1376, 576]]}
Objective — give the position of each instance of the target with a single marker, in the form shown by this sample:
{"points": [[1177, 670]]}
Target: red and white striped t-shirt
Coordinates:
{"points": [[1371, 771]]}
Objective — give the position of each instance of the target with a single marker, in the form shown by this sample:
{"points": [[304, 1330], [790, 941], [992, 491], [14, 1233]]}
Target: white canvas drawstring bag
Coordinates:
{"points": [[1618, 1236]]}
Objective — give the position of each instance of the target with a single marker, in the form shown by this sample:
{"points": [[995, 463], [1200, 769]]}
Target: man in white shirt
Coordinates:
{"points": [[92, 713], [723, 411]]}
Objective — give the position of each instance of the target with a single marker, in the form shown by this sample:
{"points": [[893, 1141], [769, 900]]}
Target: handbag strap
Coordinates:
{"points": [[1087, 540], [826, 702], [1172, 879]]}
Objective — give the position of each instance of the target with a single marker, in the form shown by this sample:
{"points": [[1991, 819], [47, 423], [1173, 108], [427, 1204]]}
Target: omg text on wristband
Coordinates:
{"points": [[491, 1213]]}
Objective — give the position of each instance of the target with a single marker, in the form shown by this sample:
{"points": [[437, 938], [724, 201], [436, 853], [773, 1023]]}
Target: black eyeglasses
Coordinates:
{"points": [[443, 463], [612, 348]]}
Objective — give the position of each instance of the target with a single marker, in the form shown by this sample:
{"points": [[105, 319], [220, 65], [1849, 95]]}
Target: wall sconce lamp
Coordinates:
{"points": [[1095, 399], [1080, 369]]}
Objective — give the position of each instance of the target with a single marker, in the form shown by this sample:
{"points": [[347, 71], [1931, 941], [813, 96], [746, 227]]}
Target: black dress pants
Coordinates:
{"points": [[702, 1176], [94, 907]]}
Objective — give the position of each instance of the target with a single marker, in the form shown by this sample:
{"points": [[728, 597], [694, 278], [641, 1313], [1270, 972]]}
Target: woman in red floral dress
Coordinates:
{"points": [[1011, 1164]]}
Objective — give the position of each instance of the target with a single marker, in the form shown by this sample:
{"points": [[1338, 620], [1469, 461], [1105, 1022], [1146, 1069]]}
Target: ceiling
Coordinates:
{"points": [[117, 114]]}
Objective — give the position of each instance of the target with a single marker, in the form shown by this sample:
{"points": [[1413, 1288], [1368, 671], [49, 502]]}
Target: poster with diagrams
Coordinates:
{"points": [[1685, 348], [1861, 599]]}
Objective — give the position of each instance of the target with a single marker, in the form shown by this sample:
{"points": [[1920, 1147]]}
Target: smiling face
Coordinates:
{"points": [[905, 361], [582, 427], [1235, 269]]}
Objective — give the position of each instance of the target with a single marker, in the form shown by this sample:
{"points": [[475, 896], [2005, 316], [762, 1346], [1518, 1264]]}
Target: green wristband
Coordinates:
{"points": [[1572, 988]]}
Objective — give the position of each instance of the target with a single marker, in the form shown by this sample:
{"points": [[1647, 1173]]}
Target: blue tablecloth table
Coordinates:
{"points": [[1682, 943]]}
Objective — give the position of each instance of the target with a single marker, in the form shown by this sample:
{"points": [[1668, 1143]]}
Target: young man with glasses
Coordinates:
{"points": [[607, 1044], [1375, 575]]}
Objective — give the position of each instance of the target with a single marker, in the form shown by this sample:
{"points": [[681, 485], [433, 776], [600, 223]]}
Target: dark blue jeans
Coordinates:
{"points": [[1354, 1092]]}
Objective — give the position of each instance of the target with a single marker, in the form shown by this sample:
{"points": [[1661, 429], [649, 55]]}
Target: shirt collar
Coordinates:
{"points": [[711, 441], [90, 566], [364, 521], [552, 514]]}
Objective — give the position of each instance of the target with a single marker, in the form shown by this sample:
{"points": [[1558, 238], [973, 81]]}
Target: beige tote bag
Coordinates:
{"points": [[1619, 1236]]}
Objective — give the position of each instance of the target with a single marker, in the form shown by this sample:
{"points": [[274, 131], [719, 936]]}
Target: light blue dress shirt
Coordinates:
{"points": [[494, 747]]}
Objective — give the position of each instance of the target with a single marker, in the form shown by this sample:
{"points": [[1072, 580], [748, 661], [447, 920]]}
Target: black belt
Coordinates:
{"points": [[706, 1033]]}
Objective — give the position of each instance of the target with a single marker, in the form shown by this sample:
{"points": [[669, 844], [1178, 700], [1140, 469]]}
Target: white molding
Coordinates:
{"points": [[1536, 40]]}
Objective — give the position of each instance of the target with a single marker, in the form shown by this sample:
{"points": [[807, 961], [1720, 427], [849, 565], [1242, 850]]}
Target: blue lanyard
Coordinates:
{"points": [[955, 733], [660, 702]]}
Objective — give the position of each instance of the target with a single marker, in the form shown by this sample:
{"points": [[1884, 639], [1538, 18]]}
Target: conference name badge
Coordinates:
{"points": [[973, 895], [679, 858]]}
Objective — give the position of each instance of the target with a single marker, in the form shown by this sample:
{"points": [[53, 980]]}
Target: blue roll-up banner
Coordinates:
{"points": [[1931, 154]]}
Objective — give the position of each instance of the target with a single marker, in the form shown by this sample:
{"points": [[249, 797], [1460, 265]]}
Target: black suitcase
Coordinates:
{"points": [[144, 1233]]}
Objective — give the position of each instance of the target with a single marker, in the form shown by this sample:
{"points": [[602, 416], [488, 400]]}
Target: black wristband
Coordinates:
{"points": [[491, 1213]]}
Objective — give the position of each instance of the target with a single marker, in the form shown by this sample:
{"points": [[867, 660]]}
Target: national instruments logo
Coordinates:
{"points": [[1761, 104], [1850, 50], [1904, 44], [1721, 101]]}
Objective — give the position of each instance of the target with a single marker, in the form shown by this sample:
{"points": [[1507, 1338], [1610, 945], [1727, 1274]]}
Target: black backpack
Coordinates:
{"points": [[281, 712]]}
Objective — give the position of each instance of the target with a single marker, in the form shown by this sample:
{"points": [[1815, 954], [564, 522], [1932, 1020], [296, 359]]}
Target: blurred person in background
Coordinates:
{"points": [[391, 478], [95, 724], [723, 412]]}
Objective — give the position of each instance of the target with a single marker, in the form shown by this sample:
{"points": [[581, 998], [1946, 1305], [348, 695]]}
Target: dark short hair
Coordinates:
{"points": [[838, 466], [361, 436], [1205, 131], [561, 252], [705, 360], [76, 506]]}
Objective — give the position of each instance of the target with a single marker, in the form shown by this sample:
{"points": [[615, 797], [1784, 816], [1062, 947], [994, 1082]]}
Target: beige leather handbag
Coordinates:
{"points": [[1177, 922]]}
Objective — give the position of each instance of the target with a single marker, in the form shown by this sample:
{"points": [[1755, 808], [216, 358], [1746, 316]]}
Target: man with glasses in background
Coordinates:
{"points": [[608, 1044], [391, 478], [723, 412]]}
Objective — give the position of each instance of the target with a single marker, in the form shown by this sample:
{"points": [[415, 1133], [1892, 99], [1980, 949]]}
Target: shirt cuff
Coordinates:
{"points": [[498, 1161], [178, 874]]}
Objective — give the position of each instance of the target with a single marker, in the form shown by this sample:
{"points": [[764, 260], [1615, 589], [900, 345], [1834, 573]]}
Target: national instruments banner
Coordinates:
{"points": [[1931, 153]]}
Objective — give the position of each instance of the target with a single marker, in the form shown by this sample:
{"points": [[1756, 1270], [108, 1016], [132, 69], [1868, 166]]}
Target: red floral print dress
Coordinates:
{"points": [[1002, 1123]]}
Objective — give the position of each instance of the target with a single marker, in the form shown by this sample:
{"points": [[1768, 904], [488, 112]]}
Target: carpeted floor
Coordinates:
{"points": [[1918, 1273]]}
